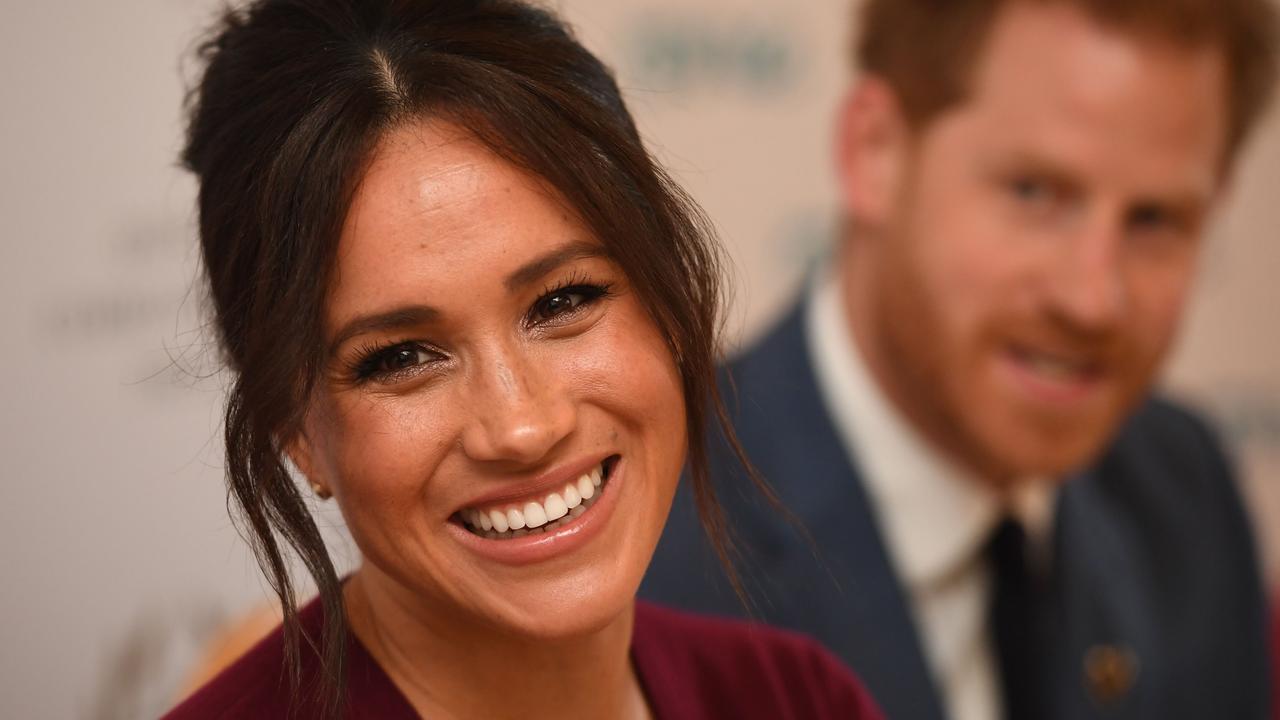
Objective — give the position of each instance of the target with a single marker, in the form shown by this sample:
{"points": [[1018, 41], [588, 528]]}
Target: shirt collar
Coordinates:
{"points": [[936, 517]]}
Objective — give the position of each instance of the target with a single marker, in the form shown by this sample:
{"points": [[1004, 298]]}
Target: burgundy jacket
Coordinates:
{"points": [[691, 667]]}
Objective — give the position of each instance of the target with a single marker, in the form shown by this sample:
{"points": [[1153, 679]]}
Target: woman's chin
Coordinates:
{"points": [[562, 611]]}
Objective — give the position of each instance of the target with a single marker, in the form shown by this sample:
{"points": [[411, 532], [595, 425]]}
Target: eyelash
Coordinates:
{"points": [[368, 358], [575, 284]]}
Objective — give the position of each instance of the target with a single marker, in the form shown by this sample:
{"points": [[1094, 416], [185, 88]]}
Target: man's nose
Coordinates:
{"points": [[519, 410], [1087, 285]]}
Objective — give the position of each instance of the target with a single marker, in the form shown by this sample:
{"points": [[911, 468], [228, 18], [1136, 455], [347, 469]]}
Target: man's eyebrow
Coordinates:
{"points": [[1023, 163], [536, 268], [1187, 200], [394, 319]]}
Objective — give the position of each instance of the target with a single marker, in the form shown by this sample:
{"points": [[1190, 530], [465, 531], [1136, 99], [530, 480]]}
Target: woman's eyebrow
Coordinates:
{"points": [[414, 315], [536, 268], [401, 317]]}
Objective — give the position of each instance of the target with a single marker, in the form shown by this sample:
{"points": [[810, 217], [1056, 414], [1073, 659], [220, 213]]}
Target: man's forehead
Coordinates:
{"points": [[1053, 82], [1030, 42]]}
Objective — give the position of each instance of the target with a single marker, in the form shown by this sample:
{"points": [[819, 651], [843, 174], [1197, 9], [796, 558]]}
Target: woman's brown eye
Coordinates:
{"points": [[559, 303], [402, 358], [388, 362], [565, 301]]}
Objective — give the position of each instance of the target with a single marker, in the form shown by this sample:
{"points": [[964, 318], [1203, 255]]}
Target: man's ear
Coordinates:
{"points": [[872, 149]]}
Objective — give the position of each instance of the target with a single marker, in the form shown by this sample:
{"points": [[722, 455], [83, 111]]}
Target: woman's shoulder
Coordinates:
{"points": [[698, 666], [254, 686], [257, 685]]}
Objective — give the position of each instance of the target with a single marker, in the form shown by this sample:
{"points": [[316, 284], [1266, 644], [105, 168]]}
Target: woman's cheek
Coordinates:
{"points": [[628, 366], [391, 441]]}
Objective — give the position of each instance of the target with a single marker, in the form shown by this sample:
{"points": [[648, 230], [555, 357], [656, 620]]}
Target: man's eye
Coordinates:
{"points": [[1150, 217], [1030, 190]]}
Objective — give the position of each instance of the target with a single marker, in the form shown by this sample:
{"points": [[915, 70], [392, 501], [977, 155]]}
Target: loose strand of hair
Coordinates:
{"points": [[269, 503]]}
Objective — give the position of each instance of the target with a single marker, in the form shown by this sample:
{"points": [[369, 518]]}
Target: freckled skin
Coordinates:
{"points": [[1009, 222], [440, 221]]}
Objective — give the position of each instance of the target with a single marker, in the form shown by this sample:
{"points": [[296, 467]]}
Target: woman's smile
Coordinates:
{"points": [[540, 505], [549, 517]]}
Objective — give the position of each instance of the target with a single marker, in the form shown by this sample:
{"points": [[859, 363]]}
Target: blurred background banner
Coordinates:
{"points": [[118, 553]]}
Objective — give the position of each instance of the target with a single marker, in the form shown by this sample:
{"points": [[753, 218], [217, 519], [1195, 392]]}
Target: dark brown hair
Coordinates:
{"points": [[293, 98], [927, 49]]}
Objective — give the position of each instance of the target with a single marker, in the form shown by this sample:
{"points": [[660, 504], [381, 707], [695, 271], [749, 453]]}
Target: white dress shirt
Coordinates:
{"points": [[934, 518]]}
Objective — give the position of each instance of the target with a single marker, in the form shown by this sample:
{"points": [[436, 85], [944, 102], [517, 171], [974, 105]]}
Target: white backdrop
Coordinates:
{"points": [[117, 551]]}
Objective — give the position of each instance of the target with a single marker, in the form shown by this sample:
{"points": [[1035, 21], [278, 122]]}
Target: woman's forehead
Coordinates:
{"points": [[437, 214]]}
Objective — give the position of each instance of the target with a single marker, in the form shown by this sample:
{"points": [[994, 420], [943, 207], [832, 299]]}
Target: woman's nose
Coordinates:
{"points": [[519, 411]]}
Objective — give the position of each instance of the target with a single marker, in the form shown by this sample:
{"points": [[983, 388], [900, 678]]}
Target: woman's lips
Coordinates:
{"points": [[550, 538], [506, 520]]}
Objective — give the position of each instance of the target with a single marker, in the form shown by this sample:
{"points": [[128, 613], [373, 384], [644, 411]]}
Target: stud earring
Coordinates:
{"points": [[321, 491]]}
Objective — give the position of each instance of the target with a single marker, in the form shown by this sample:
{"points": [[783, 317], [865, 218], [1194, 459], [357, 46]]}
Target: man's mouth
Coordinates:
{"points": [[1064, 379], [510, 519], [1055, 367]]}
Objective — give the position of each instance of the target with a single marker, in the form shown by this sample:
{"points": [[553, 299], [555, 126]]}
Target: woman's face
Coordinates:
{"points": [[489, 367]]}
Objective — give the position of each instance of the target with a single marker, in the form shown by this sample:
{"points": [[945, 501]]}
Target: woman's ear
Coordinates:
{"points": [[872, 148], [300, 452]]}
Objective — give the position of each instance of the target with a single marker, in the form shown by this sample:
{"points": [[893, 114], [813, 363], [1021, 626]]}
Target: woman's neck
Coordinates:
{"points": [[449, 668]]}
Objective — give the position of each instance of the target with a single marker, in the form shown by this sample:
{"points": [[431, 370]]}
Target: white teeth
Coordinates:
{"points": [[515, 519], [572, 498], [555, 510], [534, 515], [499, 520], [555, 507]]}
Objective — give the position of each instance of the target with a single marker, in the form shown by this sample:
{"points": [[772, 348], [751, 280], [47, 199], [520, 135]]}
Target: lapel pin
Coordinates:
{"points": [[1110, 672]]}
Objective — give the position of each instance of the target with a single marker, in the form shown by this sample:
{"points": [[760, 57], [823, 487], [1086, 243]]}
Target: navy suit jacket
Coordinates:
{"points": [[1152, 553]]}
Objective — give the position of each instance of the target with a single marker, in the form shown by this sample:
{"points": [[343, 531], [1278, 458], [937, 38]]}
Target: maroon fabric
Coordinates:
{"points": [[696, 667], [255, 686], [691, 667], [1275, 656]]}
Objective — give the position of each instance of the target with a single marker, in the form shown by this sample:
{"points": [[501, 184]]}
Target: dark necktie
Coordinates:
{"points": [[1013, 619]]}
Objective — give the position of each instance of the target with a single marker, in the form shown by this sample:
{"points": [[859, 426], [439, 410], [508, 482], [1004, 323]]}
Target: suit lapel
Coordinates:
{"points": [[1102, 635], [865, 619]]}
